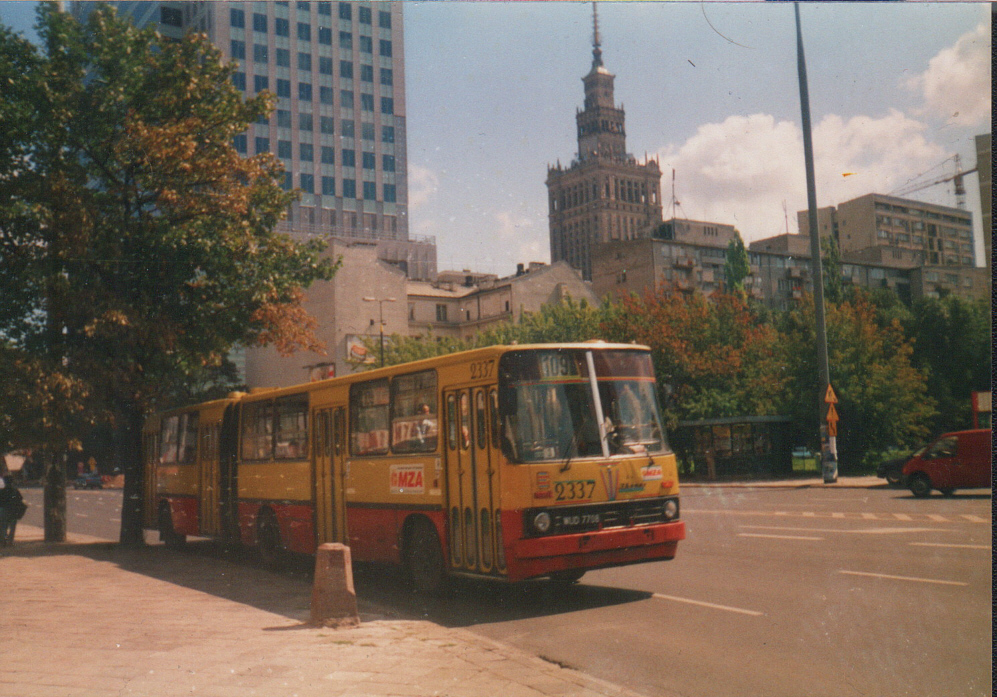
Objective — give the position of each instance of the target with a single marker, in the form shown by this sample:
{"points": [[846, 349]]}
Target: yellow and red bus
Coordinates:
{"points": [[506, 462]]}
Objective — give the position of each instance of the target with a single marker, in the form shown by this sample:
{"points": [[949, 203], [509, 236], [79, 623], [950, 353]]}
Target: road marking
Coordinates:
{"points": [[866, 531], [714, 606], [779, 537], [934, 517], [942, 544], [903, 578]]}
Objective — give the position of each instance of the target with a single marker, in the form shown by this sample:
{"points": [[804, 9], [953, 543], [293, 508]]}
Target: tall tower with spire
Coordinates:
{"points": [[605, 194]]}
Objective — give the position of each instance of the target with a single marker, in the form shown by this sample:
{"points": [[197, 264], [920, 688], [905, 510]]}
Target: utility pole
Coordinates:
{"points": [[829, 449], [380, 313]]}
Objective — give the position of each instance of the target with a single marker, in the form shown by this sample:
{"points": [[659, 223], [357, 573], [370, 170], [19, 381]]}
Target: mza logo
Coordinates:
{"points": [[407, 479]]}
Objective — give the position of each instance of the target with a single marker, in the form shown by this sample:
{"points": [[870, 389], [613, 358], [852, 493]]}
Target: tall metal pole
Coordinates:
{"points": [[828, 445]]}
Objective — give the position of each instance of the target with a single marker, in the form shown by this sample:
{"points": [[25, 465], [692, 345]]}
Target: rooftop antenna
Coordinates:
{"points": [[785, 212]]}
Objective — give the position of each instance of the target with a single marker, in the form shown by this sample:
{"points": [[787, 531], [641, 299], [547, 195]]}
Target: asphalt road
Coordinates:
{"points": [[820, 591]]}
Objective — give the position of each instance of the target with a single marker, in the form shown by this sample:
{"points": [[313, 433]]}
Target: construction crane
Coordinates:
{"points": [[960, 189]]}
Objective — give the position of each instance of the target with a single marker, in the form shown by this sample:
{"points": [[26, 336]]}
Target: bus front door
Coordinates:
{"points": [[472, 483], [329, 427]]}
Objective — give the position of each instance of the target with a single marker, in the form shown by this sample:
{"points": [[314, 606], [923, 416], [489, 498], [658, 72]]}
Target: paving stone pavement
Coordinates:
{"points": [[92, 619]]}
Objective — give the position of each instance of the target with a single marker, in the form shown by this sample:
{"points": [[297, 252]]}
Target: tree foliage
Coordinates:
{"points": [[736, 265], [137, 244], [952, 345], [883, 398], [568, 320], [712, 356]]}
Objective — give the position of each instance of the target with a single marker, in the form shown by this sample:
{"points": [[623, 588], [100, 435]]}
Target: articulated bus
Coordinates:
{"points": [[507, 462]]}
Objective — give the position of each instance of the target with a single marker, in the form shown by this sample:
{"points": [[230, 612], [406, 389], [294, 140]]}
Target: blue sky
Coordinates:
{"points": [[709, 88]]}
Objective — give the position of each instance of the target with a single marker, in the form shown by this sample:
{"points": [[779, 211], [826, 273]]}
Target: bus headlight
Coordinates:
{"points": [[671, 509], [541, 522]]}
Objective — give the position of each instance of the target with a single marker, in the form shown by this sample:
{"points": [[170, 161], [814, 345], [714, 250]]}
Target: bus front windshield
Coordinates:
{"points": [[564, 403]]}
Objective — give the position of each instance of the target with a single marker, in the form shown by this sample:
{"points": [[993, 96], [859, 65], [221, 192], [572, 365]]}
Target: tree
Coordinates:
{"points": [[834, 287], [713, 358], [883, 398], [567, 320], [736, 265], [137, 242], [952, 345]]}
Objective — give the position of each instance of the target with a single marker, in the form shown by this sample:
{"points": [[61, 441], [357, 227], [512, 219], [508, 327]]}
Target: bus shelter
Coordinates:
{"points": [[736, 446]]}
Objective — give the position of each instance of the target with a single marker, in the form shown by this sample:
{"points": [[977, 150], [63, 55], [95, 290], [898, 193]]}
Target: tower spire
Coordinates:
{"points": [[596, 50]]}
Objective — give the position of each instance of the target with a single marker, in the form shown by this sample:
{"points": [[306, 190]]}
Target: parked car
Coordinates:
{"points": [[959, 460], [892, 470], [89, 480]]}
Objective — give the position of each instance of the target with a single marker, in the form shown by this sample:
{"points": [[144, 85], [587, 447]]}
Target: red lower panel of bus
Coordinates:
{"points": [[529, 558], [185, 511], [296, 522]]}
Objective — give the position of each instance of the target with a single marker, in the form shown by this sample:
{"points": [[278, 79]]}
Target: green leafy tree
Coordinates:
{"points": [[137, 244], [953, 346], [736, 265], [567, 320], [883, 397], [834, 287], [712, 356]]}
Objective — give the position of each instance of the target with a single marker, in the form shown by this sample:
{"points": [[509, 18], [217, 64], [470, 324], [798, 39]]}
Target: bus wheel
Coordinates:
{"points": [[567, 577], [167, 534], [268, 541], [920, 486], [424, 559]]}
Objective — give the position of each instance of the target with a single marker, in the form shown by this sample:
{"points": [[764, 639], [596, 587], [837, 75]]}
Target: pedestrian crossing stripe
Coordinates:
{"points": [[906, 517]]}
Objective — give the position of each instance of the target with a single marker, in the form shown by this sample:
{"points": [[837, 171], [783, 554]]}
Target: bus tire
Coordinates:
{"points": [[567, 577], [424, 559], [268, 542], [167, 533]]}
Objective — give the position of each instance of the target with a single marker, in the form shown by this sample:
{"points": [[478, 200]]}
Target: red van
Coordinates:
{"points": [[959, 460]]}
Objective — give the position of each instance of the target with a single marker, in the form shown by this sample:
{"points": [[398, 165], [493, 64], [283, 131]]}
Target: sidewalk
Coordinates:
{"points": [[90, 619]]}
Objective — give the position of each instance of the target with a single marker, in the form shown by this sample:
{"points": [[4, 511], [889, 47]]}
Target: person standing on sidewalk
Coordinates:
{"points": [[12, 508]]}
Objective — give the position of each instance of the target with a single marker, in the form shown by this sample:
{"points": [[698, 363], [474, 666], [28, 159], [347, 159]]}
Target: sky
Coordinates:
{"points": [[710, 89]]}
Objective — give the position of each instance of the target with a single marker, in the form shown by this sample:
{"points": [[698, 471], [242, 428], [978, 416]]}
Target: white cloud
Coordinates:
{"points": [[519, 239], [956, 85], [423, 183], [744, 170]]}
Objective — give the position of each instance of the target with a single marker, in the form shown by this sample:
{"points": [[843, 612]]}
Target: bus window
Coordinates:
{"points": [[292, 428], [451, 422], [414, 422], [369, 403], [481, 416], [465, 421], [257, 431], [169, 440], [187, 449], [493, 398]]}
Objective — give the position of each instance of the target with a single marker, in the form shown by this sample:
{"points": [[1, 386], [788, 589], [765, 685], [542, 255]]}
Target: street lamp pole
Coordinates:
{"points": [[829, 454], [380, 316]]}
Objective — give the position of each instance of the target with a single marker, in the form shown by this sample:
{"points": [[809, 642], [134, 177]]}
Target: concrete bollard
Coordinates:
{"points": [[334, 601]]}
